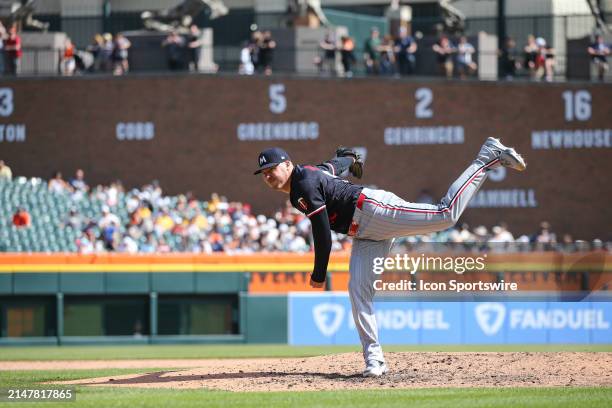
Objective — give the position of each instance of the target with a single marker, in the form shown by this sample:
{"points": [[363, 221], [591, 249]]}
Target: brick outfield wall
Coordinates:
{"points": [[73, 123]]}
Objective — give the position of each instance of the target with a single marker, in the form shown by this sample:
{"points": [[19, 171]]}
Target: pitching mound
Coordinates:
{"points": [[343, 371]]}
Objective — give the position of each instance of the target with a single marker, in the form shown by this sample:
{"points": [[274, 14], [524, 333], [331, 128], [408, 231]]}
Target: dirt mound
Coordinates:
{"points": [[407, 370]]}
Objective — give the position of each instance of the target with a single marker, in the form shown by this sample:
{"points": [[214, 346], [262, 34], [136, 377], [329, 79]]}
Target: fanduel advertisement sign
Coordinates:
{"points": [[317, 319]]}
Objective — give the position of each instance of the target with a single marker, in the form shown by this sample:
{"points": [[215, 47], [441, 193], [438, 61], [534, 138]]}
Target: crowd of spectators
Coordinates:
{"points": [[391, 55], [454, 56], [498, 239], [144, 220], [154, 222], [109, 54], [105, 54]]}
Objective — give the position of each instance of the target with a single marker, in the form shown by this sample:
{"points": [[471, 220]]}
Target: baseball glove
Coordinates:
{"points": [[356, 168]]}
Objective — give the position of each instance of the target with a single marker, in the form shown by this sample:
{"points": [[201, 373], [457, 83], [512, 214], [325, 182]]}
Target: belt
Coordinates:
{"points": [[354, 227], [360, 200]]}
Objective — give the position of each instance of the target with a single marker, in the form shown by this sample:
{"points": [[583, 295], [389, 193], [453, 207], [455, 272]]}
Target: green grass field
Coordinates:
{"points": [[133, 397], [249, 350]]}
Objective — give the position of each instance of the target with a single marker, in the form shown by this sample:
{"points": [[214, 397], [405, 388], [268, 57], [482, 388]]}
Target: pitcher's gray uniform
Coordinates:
{"points": [[374, 218]]}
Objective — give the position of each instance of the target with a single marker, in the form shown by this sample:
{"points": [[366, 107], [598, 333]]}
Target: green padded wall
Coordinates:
{"points": [[264, 318]]}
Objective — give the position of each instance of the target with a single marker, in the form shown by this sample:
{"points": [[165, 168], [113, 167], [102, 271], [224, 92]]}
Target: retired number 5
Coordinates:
{"points": [[278, 101]]}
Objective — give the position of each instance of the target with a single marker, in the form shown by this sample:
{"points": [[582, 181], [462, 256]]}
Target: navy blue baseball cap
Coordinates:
{"points": [[270, 158]]}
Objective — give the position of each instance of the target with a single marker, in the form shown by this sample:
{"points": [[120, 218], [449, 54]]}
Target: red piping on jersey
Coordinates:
{"points": [[363, 198], [316, 211]]}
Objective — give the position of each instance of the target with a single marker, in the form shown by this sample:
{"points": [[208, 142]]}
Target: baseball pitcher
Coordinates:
{"points": [[372, 217]]}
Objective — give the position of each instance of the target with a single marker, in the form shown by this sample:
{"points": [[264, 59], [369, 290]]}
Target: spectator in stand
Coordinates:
{"points": [[12, 51], [461, 234], [121, 46], [599, 52], [254, 46], [164, 222], [95, 49], [57, 184], [465, 58], [545, 60], [544, 239], [74, 220], [21, 218], [327, 62], [194, 44], [216, 241], [3, 37], [108, 218], [246, 60], [162, 246], [530, 52], [106, 53], [347, 55], [567, 243], [444, 55], [197, 223], [387, 56], [371, 52], [501, 234], [266, 52], [68, 63], [481, 234], [174, 45], [110, 194], [149, 246], [5, 172], [509, 59], [142, 214], [78, 185], [78, 182], [405, 48], [86, 243], [110, 235]]}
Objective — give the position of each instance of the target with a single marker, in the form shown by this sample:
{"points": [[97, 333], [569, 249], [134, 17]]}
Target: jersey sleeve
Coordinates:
{"points": [[311, 201], [321, 234]]}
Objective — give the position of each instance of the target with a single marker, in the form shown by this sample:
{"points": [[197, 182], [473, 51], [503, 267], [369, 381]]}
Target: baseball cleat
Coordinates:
{"points": [[508, 157], [375, 369]]}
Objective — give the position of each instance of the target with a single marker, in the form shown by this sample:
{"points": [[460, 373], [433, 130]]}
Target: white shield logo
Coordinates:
{"points": [[328, 317], [490, 317]]}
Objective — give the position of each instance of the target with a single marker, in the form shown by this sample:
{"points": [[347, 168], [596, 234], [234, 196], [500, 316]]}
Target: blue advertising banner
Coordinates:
{"points": [[318, 319]]}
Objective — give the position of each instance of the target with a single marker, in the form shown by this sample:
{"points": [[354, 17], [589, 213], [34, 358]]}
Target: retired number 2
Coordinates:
{"points": [[422, 109]]}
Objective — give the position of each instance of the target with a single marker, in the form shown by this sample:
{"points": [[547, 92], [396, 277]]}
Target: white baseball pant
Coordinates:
{"points": [[380, 217]]}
